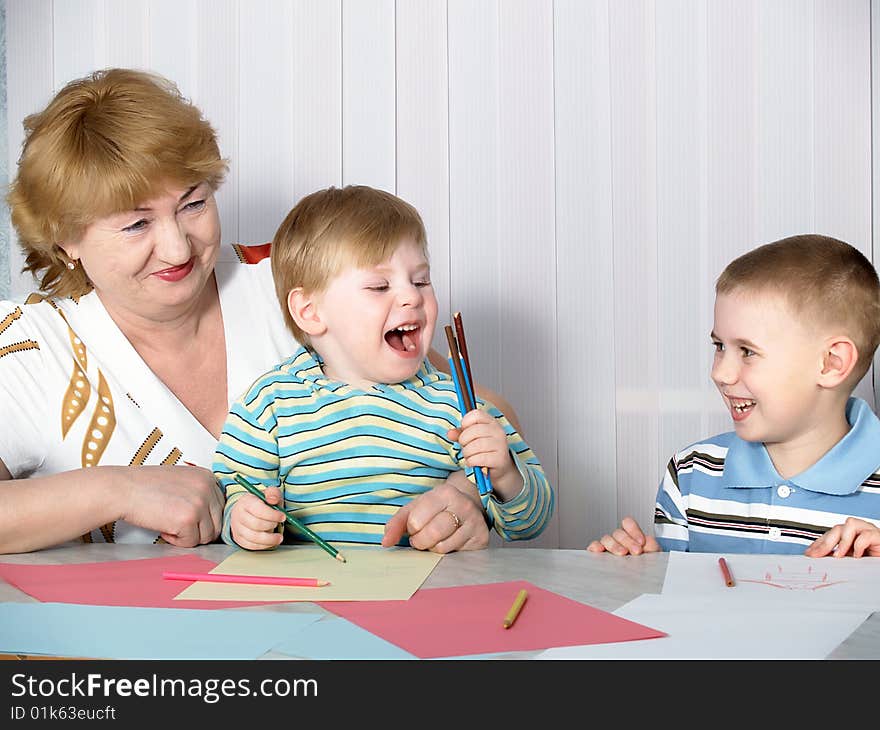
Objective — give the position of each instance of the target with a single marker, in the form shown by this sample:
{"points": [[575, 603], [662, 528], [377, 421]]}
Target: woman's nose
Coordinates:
{"points": [[173, 244]]}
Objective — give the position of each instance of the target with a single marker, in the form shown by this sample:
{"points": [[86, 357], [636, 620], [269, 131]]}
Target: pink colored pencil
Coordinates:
{"points": [[265, 580]]}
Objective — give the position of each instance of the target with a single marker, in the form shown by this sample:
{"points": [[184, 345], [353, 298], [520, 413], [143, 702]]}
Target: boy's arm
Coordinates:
{"points": [[243, 437], [524, 515], [670, 512]]}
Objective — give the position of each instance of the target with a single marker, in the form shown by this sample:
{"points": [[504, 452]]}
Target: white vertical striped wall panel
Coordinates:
{"points": [[585, 169], [368, 93], [875, 159], [526, 266], [423, 136], [265, 117], [587, 433], [29, 86], [636, 302]]}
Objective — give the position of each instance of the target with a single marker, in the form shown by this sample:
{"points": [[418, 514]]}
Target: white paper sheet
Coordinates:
{"points": [[709, 627], [793, 581]]}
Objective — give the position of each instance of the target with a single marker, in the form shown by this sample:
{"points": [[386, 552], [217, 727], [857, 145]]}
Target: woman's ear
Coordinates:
{"points": [[838, 361], [70, 249], [304, 310]]}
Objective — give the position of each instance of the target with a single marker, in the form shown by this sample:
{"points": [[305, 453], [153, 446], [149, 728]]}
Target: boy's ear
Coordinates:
{"points": [[303, 308], [839, 358]]}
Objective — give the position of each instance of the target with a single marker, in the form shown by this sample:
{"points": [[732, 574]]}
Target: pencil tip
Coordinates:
{"points": [[340, 557], [323, 582]]}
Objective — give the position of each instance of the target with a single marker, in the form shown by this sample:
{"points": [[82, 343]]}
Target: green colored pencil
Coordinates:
{"points": [[292, 521]]}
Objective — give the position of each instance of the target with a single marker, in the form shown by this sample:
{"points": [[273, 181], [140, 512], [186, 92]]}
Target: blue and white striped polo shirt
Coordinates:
{"points": [[725, 495]]}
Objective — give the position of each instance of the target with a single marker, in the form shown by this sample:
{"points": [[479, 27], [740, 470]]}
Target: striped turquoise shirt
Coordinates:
{"points": [[725, 495], [347, 459]]}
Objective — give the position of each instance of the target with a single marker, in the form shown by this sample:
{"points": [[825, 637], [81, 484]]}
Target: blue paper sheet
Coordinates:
{"points": [[116, 632], [336, 638]]}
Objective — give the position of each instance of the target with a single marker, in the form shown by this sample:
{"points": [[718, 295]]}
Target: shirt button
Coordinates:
{"points": [[783, 490], [774, 533]]}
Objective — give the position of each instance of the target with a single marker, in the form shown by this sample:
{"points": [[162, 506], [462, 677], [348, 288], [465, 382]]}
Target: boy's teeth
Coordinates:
{"points": [[743, 405]]}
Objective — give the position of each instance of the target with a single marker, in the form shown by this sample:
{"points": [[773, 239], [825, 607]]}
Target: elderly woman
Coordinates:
{"points": [[115, 383]]}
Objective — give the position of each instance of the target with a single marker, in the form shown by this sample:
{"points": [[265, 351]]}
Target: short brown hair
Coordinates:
{"points": [[334, 228], [104, 144], [821, 279]]}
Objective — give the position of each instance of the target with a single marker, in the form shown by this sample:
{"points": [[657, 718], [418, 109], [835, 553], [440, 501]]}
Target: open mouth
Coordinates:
{"points": [[741, 405], [404, 338]]}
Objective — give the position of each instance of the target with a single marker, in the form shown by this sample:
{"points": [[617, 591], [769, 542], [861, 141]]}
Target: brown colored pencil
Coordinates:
{"points": [[462, 345], [456, 363]]}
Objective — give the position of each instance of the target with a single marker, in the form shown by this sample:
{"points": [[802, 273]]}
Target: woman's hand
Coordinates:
{"points": [[628, 539], [254, 523], [182, 503], [854, 537], [448, 518]]}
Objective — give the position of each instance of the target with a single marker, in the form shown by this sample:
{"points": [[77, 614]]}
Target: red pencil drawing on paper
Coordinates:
{"points": [[809, 580]]}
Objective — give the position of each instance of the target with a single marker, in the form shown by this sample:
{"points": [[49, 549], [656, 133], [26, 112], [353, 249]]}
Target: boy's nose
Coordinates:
{"points": [[723, 371], [409, 296]]}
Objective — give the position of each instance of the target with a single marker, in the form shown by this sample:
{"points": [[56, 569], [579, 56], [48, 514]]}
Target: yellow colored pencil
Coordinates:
{"points": [[515, 608]]}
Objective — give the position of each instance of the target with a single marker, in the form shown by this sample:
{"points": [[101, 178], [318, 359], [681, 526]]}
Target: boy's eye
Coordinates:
{"points": [[718, 347], [136, 226], [747, 352], [378, 287], [422, 283]]}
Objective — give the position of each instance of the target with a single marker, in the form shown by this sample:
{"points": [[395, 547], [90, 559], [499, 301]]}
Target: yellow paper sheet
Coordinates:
{"points": [[369, 574]]}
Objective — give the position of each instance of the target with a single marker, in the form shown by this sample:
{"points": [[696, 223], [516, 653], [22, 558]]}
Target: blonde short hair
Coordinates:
{"points": [[822, 280], [335, 228], [104, 144]]}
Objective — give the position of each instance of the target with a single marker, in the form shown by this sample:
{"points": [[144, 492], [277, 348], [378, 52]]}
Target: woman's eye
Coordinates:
{"points": [[718, 347], [422, 283], [136, 226], [194, 205], [747, 352]]}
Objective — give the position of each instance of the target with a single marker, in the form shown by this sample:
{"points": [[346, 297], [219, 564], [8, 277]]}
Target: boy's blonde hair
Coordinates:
{"points": [[332, 229], [104, 144], [822, 280]]}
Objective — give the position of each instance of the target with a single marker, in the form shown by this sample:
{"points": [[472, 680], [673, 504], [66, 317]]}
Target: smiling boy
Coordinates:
{"points": [[796, 326], [357, 424]]}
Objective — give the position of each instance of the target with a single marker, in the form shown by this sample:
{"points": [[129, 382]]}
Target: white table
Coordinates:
{"points": [[602, 581]]}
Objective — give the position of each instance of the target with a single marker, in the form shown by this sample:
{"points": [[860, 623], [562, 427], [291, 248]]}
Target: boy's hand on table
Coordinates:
{"points": [[628, 539], [854, 537], [254, 523], [448, 518]]}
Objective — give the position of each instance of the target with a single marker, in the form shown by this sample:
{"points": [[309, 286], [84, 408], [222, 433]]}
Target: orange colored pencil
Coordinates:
{"points": [[725, 571]]}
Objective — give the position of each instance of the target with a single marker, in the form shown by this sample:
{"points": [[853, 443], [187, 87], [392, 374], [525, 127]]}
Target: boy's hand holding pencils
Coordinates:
{"points": [[254, 523], [484, 445]]}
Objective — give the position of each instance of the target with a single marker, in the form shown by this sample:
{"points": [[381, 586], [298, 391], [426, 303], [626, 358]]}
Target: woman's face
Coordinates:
{"points": [[152, 263]]}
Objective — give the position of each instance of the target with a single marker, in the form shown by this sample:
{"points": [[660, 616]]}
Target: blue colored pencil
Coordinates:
{"points": [[465, 402]]}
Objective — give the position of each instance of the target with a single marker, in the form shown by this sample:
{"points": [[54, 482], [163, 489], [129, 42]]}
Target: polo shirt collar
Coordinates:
{"points": [[841, 471]]}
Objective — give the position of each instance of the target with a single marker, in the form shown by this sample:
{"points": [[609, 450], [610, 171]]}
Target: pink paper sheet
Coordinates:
{"points": [[444, 622], [114, 583]]}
